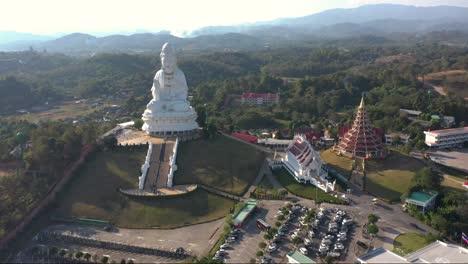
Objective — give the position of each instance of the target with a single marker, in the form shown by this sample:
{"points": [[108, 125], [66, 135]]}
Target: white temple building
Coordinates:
{"points": [[169, 113], [305, 164]]}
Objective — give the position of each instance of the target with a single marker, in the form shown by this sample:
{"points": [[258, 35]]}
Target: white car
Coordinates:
{"points": [[347, 221], [334, 254], [326, 241], [304, 250], [307, 242], [339, 246], [323, 248], [272, 246], [293, 236], [224, 246]]}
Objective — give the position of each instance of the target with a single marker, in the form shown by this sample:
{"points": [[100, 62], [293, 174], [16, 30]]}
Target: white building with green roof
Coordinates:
{"points": [[297, 257], [423, 200]]}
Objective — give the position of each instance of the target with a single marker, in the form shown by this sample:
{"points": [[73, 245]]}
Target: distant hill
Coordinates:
{"points": [[385, 22]]}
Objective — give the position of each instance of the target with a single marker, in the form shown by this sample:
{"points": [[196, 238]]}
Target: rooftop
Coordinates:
{"points": [[381, 255], [258, 95], [448, 131], [299, 257], [423, 196], [245, 211], [411, 112], [437, 252]]}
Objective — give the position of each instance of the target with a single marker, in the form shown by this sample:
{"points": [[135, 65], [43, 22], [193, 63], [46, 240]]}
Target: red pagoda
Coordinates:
{"points": [[361, 141]]}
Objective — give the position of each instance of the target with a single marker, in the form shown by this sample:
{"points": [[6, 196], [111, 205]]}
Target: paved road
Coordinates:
{"points": [[196, 239]]}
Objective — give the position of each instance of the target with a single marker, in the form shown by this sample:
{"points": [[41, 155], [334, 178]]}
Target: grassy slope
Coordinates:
{"points": [[409, 242], [94, 194], [342, 165], [391, 177], [307, 191], [220, 162]]}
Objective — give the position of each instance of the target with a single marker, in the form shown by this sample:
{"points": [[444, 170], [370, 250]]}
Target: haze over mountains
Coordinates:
{"points": [[381, 21]]}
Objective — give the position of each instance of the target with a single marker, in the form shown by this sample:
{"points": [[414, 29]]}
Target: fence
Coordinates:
{"points": [[89, 242]]}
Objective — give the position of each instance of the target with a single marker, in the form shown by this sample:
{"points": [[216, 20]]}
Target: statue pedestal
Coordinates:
{"points": [[170, 123]]}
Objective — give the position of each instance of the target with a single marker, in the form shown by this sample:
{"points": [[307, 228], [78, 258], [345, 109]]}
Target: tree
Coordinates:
{"points": [[259, 253], [123, 261], [425, 178], [297, 240], [372, 229], [267, 236], [87, 256], [278, 224], [262, 245], [62, 253], [439, 223], [396, 139], [138, 123], [79, 254], [105, 259], [372, 219], [110, 142]]}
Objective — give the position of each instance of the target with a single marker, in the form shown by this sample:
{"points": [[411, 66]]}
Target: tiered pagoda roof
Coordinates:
{"points": [[361, 141]]}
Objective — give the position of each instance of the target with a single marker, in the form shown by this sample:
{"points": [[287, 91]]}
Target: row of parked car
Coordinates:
{"points": [[222, 252], [333, 241]]}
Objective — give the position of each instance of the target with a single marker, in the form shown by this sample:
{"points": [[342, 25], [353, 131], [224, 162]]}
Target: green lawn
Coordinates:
{"points": [[220, 162], [390, 178], [342, 165], [94, 194], [409, 242], [307, 191]]}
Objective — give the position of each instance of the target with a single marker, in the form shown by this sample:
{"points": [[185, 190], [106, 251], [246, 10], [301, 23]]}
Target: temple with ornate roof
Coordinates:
{"points": [[305, 164], [362, 140]]}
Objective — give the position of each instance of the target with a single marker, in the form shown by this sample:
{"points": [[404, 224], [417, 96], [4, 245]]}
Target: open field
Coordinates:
{"points": [[453, 182], [448, 81], [307, 191], [342, 165], [220, 162], [63, 111], [409, 242], [390, 178], [93, 194]]}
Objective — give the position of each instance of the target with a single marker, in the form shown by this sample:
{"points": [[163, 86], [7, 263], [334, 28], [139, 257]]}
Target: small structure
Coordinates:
{"points": [[305, 164], [404, 139], [259, 99], [412, 114], [446, 138], [327, 140], [424, 200], [437, 252], [299, 258], [276, 144], [244, 213], [448, 121], [361, 141]]}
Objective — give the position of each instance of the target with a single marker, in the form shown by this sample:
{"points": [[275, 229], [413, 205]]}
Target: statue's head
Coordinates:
{"points": [[168, 58]]}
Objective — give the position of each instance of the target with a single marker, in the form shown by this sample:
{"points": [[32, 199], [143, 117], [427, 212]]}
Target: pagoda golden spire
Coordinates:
{"points": [[362, 104]]}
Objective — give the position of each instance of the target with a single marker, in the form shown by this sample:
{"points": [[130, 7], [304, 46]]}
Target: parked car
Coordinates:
{"points": [[224, 246], [326, 241], [304, 250], [347, 221], [307, 242], [334, 254], [339, 246]]}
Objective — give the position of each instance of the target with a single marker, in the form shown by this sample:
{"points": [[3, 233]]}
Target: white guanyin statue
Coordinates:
{"points": [[169, 112]]}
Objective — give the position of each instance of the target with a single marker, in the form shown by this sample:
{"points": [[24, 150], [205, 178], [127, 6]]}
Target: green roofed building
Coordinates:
{"points": [[423, 200], [297, 257], [244, 213]]}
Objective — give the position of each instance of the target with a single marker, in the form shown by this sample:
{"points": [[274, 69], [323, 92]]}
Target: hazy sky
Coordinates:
{"points": [[91, 16]]}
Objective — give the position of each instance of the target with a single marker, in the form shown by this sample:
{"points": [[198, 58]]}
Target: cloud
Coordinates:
{"points": [[355, 3]]}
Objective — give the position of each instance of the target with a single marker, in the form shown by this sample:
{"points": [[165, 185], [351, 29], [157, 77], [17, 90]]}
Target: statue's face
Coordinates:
{"points": [[168, 61]]}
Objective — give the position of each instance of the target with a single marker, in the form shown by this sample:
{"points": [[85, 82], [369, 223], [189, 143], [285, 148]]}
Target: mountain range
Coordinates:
{"points": [[381, 21]]}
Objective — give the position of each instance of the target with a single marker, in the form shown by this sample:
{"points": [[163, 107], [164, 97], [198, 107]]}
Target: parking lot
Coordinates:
{"points": [[245, 247]]}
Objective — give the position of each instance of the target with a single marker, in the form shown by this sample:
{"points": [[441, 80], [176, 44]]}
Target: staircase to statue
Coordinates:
{"points": [[159, 166]]}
